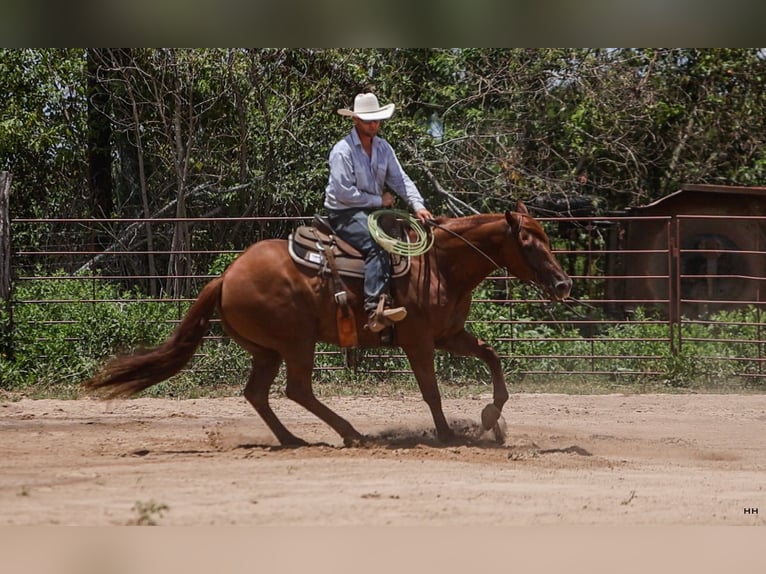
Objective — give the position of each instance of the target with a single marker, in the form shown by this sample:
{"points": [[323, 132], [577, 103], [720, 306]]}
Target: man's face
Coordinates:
{"points": [[367, 128]]}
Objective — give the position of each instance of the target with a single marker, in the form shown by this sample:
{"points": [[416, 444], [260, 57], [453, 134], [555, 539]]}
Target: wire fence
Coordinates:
{"points": [[653, 297]]}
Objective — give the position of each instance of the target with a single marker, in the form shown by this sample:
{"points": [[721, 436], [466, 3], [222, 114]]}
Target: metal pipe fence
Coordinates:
{"points": [[641, 310]]}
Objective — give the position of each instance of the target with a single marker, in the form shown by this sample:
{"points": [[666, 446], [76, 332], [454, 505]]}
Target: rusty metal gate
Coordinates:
{"points": [[668, 309]]}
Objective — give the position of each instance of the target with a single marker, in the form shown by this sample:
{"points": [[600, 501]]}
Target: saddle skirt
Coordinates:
{"points": [[307, 246]]}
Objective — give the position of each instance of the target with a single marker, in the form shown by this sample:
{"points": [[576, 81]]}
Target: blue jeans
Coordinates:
{"points": [[351, 226]]}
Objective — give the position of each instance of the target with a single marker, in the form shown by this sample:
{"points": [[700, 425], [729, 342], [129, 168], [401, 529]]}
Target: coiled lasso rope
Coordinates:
{"points": [[423, 240]]}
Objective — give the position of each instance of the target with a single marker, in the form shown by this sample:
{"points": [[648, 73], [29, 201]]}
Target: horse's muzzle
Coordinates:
{"points": [[561, 289]]}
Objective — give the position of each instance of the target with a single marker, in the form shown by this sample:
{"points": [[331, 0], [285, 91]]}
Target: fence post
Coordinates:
{"points": [[6, 316]]}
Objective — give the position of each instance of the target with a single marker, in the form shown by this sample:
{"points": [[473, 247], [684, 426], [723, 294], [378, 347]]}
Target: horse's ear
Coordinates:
{"points": [[521, 208], [514, 220]]}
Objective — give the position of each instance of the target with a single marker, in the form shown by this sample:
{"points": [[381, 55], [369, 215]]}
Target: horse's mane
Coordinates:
{"points": [[461, 224]]}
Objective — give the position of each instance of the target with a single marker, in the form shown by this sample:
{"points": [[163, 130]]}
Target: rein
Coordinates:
{"points": [[380, 237], [422, 244], [433, 223]]}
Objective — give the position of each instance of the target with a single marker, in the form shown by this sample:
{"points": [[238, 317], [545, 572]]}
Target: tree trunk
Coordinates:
{"points": [[99, 140], [179, 268], [6, 310], [144, 192]]}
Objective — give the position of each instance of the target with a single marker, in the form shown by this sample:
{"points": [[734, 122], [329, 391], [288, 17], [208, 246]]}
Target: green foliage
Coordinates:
{"points": [[530, 338], [221, 262], [715, 352], [66, 326], [42, 128], [248, 131], [148, 513], [5, 332]]}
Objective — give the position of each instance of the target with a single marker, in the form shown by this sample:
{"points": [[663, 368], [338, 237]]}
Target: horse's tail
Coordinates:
{"points": [[127, 375]]}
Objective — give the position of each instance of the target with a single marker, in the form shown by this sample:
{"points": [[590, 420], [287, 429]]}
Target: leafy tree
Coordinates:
{"points": [[231, 132], [42, 130]]}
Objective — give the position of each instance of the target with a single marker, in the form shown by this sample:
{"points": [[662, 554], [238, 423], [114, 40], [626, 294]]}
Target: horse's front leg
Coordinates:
{"points": [[421, 357], [466, 345]]}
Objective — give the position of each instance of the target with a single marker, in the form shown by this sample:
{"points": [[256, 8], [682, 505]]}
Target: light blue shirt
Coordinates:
{"points": [[358, 181]]}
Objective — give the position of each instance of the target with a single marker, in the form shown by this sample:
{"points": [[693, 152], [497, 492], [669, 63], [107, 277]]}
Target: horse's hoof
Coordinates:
{"points": [[447, 436], [293, 442], [354, 441], [500, 430], [489, 416]]}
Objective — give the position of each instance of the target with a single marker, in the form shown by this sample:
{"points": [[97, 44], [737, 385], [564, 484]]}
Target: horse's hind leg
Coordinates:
{"points": [[265, 368], [299, 368]]}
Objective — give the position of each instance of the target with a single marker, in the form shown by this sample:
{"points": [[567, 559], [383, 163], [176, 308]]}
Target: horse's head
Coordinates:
{"points": [[529, 255]]}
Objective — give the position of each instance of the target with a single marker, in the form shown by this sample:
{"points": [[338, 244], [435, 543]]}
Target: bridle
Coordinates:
{"points": [[569, 300], [433, 223]]}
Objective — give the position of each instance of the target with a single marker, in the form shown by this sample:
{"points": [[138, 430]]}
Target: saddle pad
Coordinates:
{"points": [[306, 244]]}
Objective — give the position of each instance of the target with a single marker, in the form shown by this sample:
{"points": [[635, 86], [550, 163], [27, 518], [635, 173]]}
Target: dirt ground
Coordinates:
{"points": [[571, 460]]}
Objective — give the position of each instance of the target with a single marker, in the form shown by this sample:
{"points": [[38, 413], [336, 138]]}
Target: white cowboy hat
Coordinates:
{"points": [[366, 108]]}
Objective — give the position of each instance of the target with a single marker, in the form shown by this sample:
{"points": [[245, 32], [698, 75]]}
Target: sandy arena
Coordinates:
{"points": [[567, 460]]}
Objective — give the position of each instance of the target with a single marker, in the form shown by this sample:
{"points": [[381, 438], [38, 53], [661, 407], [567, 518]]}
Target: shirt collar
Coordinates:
{"points": [[358, 142]]}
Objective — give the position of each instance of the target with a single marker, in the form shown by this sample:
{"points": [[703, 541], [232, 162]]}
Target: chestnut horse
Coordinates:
{"points": [[278, 310]]}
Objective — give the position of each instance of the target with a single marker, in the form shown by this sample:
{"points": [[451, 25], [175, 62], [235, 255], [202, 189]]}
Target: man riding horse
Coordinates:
{"points": [[362, 164], [276, 308]]}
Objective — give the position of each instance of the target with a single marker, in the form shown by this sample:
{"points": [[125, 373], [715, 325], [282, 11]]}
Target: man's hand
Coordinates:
{"points": [[424, 215], [388, 199]]}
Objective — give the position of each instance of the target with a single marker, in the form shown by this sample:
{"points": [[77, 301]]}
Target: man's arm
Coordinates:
{"points": [[398, 180]]}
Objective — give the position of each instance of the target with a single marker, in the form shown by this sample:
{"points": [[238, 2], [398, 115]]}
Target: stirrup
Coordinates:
{"points": [[387, 313], [376, 323], [382, 317], [395, 315]]}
